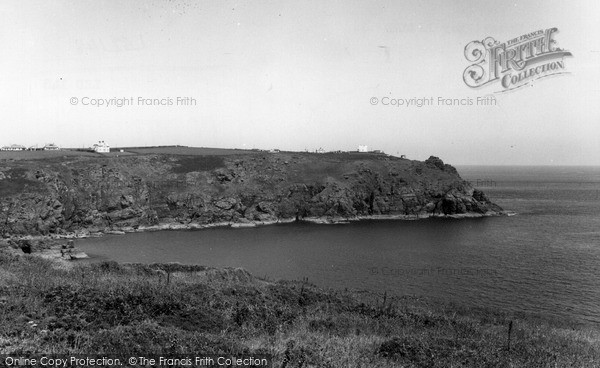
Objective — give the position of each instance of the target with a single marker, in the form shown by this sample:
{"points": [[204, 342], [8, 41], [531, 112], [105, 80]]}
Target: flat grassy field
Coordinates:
{"points": [[128, 151], [168, 150], [51, 307], [191, 151], [39, 155]]}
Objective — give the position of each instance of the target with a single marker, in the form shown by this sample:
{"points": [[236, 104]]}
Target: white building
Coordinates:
{"points": [[51, 147], [101, 147], [13, 147], [363, 149]]}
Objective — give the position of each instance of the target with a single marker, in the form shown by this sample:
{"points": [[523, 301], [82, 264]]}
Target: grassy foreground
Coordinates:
{"points": [[52, 307]]}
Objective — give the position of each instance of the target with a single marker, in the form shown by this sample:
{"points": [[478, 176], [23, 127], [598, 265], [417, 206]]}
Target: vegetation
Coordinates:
{"points": [[187, 151], [52, 307], [187, 164]]}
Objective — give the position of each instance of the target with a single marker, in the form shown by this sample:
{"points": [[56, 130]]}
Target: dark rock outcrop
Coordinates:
{"points": [[99, 194]]}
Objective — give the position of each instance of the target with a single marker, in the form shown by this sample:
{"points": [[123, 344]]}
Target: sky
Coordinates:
{"points": [[296, 75]]}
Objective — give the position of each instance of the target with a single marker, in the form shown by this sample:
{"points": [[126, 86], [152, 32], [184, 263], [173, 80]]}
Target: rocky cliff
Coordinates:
{"points": [[66, 195]]}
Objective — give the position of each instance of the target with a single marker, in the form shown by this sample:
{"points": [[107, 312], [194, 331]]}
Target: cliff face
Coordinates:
{"points": [[69, 194]]}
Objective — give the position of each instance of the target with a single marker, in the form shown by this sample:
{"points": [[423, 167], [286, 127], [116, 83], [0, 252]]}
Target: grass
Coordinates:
{"points": [[128, 151], [187, 164], [41, 155], [49, 307], [14, 181], [187, 151]]}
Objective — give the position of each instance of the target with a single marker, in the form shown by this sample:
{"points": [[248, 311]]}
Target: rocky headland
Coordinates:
{"points": [[76, 196]]}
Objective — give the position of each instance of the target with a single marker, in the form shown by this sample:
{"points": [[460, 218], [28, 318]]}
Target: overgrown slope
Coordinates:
{"points": [[137, 310]]}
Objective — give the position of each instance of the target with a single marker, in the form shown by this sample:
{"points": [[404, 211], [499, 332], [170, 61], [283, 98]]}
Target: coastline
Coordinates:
{"points": [[85, 233]]}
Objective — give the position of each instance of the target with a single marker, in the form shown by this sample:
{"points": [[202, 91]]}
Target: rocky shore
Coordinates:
{"points": [[73, 197]]}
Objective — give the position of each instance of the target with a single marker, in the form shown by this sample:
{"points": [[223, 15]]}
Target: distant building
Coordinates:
{"points": [[363, 149], [13, 147], [275, 150], [101, 147], [51, 147], [320, 150], [377, 151]]}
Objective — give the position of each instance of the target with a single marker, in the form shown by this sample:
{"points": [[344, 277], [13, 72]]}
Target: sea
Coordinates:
{"points": [[542, 260]]}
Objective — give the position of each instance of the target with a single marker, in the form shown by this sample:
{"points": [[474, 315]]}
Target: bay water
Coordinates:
{"points": [[543, 260]]}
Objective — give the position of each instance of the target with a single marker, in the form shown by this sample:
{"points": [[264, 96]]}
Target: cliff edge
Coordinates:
{"points": [[67, 195]]}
